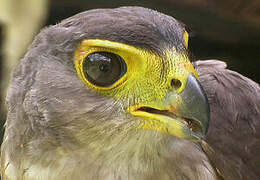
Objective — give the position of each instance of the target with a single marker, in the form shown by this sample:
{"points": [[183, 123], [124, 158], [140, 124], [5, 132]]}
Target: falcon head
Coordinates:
{"points": [[137, 61], [107, 81]]}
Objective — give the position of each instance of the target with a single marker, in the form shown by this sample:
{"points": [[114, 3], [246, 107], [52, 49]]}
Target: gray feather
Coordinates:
{"points": [[234, 131], [58, 128]]}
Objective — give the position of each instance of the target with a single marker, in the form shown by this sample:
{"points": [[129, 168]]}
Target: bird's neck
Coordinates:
{"points": [[137, 154]]}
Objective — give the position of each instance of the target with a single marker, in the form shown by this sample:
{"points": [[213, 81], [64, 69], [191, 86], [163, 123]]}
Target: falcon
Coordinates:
{"points": [[111, 94]]}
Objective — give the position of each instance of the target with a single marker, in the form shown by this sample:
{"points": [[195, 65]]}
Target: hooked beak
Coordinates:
{"points": [[185, 114], [192, 106]]}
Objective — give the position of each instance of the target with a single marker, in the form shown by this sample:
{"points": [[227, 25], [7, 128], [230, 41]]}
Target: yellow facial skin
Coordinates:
{"points": [[146, 82], [186, 38]]}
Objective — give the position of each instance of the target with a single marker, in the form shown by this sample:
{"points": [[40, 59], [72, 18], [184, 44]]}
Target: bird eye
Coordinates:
{"points": [[103, 68]]}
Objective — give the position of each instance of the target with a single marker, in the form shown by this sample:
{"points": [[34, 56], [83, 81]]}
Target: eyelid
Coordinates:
{"points": [[133, 58], [79, 64]]}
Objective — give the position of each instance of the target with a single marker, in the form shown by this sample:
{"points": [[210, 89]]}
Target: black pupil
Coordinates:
{"points": [[103, 68]]}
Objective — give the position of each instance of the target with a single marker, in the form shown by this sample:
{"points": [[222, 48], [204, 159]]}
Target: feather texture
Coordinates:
{"points": [[58, 128], [234, 131]]}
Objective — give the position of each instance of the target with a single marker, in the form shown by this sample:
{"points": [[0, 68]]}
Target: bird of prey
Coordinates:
{"points": [[111, 94]]}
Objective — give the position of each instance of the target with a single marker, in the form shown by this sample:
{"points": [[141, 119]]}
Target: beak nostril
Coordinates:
{"points": [[176, 84]]}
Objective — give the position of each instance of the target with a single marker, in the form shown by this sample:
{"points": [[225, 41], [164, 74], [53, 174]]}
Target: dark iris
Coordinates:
{"points": [[103, 68]]}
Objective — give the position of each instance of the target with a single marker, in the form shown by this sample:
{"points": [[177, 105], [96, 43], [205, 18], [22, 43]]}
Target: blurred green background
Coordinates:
{"points": [[228, 30]]}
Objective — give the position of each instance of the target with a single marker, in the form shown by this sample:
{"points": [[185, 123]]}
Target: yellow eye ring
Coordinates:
{"points": [[97, 62], [132, 58]]}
